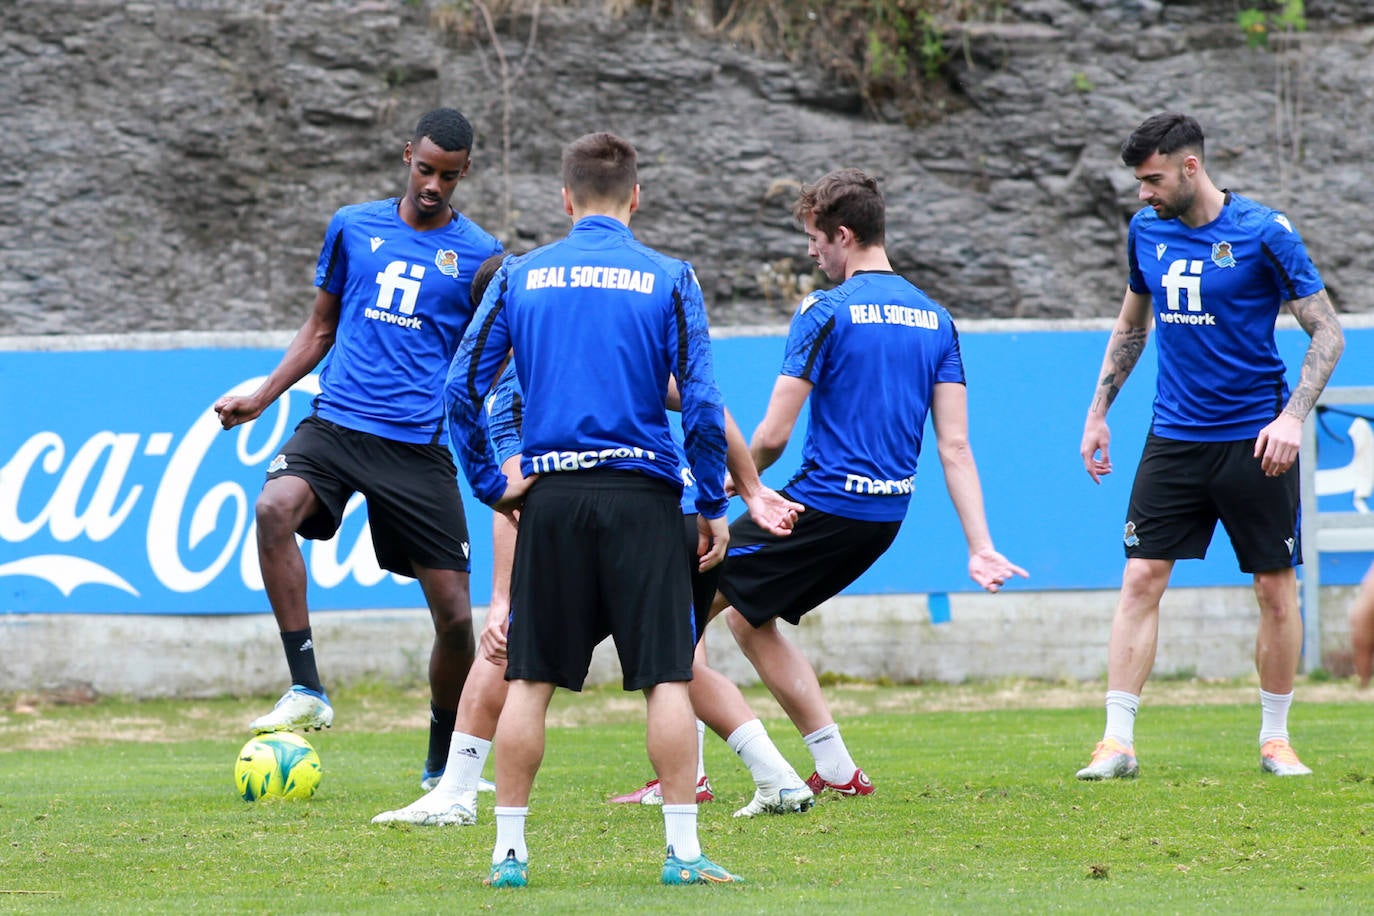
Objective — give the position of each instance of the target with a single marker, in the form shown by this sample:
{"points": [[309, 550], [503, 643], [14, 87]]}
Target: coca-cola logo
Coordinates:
{"points": [[67, 498]]}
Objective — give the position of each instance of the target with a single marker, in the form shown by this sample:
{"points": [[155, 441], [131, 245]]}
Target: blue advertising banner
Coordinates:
{"points": [[120, 493]]}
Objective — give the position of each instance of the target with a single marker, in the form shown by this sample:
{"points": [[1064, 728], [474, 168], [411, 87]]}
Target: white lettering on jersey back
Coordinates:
{"points": [[595, 277], [858, 483], [905, 315], [584, 460], [544, 277]]}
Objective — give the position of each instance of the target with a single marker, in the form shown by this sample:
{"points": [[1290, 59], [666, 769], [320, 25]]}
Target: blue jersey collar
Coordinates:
{"points": [[602, 224]]}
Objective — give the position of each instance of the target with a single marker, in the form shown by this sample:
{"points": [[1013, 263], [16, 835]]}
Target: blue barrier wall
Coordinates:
{"points": [[119, 493]]}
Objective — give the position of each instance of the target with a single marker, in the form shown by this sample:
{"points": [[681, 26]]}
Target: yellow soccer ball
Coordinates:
{"points": [[277, 765]]}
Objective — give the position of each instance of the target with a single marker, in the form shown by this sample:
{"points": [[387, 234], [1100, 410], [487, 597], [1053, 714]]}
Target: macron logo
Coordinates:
{"points": [[376, 242]]}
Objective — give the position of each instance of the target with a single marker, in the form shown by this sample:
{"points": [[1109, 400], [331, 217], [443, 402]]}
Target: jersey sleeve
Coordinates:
{"points": [[951, 368], [1135, 279], [470, 377], [806, 339], [703, 408], [1295, 273], [332, 267], [505, 408]]}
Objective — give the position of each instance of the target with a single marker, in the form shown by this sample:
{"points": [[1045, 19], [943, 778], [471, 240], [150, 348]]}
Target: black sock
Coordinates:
{"points": [[441, 723], [300, 658]]}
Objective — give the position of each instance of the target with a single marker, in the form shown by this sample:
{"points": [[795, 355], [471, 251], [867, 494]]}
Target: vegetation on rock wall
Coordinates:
{"points": [[892, 51]]}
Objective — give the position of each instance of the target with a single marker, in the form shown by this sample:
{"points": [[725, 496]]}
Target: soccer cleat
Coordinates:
{"points": [[509, 872], [700, 870], [796, 799], [1278, 757], [434, 810], [300, 708], [857, 785], [1111, 760], [651, 793]]}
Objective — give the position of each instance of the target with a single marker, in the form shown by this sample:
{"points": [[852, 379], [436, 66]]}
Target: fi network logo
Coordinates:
{"points": [[401, 277]]}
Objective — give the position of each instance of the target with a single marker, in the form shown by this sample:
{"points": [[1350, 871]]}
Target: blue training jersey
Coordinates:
{"points": [[1217, 291], [874, 347], [505, 409], [404, 302], [598, 322]]}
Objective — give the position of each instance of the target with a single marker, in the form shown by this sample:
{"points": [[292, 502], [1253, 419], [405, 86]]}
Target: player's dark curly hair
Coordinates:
{"points": [[447, 128], [1163, 133], [846, 197]]}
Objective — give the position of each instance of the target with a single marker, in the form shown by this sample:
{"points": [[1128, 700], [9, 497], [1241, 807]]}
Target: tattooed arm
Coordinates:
{"points": [[1124, 347], [1318, 318], [1277, 444]]}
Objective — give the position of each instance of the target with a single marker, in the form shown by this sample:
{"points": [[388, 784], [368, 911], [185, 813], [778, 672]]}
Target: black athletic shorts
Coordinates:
{"points": [[767, 576], [1182, 488], [414, 509], [600, 553]]}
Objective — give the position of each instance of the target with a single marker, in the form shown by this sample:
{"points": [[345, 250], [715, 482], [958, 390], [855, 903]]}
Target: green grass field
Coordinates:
{"points": [[129, 807]]}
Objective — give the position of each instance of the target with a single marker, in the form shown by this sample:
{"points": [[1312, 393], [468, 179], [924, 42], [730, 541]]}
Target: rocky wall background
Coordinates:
{"points": [[172, 165]]}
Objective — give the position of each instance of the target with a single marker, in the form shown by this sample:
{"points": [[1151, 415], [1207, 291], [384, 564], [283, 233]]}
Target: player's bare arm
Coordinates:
{"points": [[773, 432], [1278, 444], [1124, 347], [949, 414], [302, 355]]}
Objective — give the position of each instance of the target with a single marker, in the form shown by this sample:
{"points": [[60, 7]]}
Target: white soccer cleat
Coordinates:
{"points": [[794, 799], [434, 810], [1278, 757], [1111, 760], [298, 708]]}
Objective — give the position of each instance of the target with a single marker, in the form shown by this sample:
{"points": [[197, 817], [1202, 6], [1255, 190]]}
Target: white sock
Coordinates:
{"points": [[1274, 715], [466, 757], [680, 826], [510, 834], [701, 750], [760, 755], [833, 762], [1121, 710]]}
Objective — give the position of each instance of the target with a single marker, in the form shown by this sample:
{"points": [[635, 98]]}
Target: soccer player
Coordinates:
{"points": [[778, 788], [392, 302], [1212, 269], [874, 355], [598, 323]]}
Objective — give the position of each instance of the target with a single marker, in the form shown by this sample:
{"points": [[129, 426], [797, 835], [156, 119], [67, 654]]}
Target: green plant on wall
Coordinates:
{"points": [[1257, 24]]}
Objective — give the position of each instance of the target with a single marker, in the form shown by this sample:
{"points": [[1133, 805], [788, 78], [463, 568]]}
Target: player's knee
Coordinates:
{"points": [[275, 516]]}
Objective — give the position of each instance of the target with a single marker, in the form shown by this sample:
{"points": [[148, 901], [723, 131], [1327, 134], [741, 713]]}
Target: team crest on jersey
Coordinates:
{"points": [[278, 464], [446, 259], [1222, 256], [1159, 250], [807, 303]]}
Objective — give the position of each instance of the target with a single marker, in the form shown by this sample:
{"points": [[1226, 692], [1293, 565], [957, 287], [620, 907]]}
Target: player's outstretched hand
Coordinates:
{"points": [[773, 512], [713, 536], [234, 410], [991, 570]]}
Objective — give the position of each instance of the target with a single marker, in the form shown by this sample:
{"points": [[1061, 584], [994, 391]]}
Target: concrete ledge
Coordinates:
{"points": [[1040, 635]]}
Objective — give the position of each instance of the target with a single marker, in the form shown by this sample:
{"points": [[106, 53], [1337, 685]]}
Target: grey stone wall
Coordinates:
{"points": [[171, 165]]}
